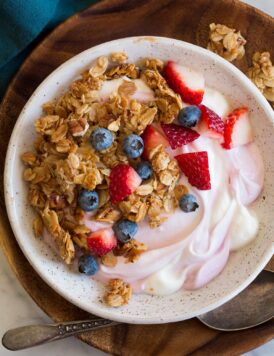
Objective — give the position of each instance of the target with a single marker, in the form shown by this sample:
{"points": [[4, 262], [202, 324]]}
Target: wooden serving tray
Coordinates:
{"points": [[187, 20]]}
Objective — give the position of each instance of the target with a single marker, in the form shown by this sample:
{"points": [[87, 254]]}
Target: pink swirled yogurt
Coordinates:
{"points": [[190, 249]]}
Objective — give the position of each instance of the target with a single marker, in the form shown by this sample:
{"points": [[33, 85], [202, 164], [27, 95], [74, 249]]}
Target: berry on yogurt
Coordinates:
{"points": [[189, 116], [101, 242], [88, 265], [178, 136], [125, 230], [188, 203], [211, 122], [195, 166], [237, 130], [101, 139], [188, 83], [88, 200]]}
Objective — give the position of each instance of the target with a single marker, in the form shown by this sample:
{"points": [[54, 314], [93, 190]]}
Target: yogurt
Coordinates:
{"points": [[143, 93], [190, 249]]}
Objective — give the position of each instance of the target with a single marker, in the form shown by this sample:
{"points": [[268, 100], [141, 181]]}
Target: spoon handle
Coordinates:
{"points": [[32, 335]]}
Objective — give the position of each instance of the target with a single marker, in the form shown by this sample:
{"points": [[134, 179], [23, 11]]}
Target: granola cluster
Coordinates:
{"points": [[225, 41], [130, 250], [64, 161], [262, 74], [118, 293]]}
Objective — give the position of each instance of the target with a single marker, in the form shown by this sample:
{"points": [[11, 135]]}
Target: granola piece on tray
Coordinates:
{"points": [[262, 74], [226, 41]]}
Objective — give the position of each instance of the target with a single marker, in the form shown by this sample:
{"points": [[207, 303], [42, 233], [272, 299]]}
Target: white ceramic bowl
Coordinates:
{"points": [[243, 266]]}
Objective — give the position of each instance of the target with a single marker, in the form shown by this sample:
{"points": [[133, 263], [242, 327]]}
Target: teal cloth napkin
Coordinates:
{"points": [[23, 23]]}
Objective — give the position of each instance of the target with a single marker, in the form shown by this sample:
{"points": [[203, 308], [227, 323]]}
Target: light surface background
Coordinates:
{"points": [[17, 308]]}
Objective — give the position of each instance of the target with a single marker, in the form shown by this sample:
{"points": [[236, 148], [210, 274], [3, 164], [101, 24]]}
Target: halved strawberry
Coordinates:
{"points": [[237, 130], [211, 121], [152, 138], [124, 180], [188, 83], [101, 241], [178, 135], [195, 166]]}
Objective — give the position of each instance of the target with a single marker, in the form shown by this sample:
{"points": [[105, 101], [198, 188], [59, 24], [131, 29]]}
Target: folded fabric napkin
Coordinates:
{"points": [[23, 21]]}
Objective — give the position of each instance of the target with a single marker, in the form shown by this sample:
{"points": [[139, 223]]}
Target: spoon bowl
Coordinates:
{"points": [[252, 307]]}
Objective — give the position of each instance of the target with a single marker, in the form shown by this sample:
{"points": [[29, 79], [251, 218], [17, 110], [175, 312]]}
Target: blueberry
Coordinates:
{"points": [[144, 170], [188, 203], [189, 116], [88, 200], [101, 139], [87, 264], [133, 146], [124, 230]]}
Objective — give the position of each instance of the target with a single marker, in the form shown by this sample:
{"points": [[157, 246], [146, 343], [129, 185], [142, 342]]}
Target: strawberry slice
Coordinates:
{"points": [[178, 135], [124, 180], [101, 241], [195, 166], [152, 138], [237, 130], [189, 84], [211, 121]]}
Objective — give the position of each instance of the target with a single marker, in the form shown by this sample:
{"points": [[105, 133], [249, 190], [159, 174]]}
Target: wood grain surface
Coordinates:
{"points": [[187, 20]]}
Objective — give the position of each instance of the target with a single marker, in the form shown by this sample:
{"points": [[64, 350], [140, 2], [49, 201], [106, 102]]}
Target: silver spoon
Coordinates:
{"points": [[253, 306]]}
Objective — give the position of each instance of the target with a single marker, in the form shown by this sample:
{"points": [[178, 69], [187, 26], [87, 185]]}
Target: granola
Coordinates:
{"points": [[64, 162], [226, 41], [118, 293], [130, 250], [262, 74], [109, 260], [119, 57]]}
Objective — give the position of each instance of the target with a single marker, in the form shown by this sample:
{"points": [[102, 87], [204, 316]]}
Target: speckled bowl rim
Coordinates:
{"points": [[107, 313]]}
